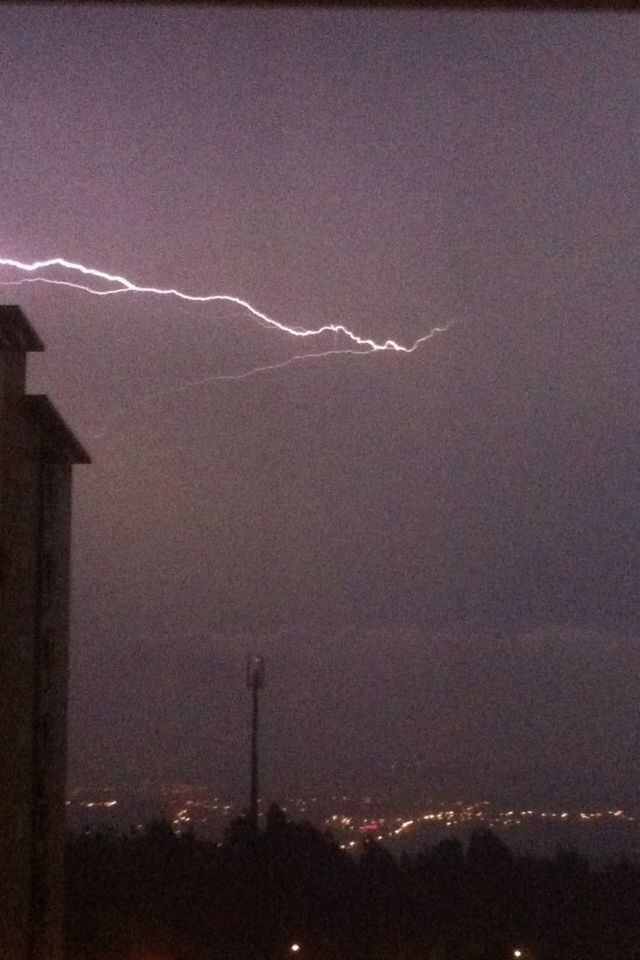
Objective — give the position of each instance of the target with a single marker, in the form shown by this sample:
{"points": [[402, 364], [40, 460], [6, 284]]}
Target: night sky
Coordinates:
{"points": [[438, 553]]}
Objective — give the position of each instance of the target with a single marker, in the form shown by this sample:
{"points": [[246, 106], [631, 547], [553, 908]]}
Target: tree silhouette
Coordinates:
{"points": [[153, 895]]}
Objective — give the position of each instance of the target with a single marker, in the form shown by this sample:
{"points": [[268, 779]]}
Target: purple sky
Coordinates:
{"points": [[439, 553]]}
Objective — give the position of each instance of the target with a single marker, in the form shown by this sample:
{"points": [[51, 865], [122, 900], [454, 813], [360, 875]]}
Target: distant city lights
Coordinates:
{"points": [[350, 819]]}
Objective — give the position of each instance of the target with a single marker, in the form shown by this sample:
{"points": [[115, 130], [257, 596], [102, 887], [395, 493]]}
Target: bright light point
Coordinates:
{"points": [[295, 948], [517, 953]]}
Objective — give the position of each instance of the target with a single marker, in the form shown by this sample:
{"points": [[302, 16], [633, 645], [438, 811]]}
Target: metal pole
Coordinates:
{"points": [[253, 801], [255, 682]]}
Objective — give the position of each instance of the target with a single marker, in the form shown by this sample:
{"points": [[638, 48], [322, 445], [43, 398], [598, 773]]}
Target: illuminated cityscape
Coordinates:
{"points": [[350, 819]]}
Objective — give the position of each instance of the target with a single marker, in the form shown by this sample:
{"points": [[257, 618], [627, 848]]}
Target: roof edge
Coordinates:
{"points": [[63, 443]]}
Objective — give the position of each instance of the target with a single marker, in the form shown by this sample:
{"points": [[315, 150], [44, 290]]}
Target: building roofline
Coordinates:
{"points": [[61, 444], [16, 333]]}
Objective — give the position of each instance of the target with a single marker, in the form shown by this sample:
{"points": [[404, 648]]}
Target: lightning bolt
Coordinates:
{"points": [[361, 346], [123, 285]]}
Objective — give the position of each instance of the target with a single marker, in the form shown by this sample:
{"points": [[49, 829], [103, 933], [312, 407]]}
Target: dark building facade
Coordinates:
{"points": [[37, 454]]}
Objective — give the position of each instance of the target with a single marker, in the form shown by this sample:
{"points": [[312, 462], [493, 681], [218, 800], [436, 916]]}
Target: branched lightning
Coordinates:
{"points": [[229, 377], [123, 285], [64, 283], [361, 346]]}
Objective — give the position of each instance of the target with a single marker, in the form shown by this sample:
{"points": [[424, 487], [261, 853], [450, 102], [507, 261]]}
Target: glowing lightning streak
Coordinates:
{"points": [[125, 285], [64, 283], [80, 286], [222, 377]]}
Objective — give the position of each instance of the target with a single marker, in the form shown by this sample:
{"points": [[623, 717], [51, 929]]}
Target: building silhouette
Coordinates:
{"points": [[37, 453]]}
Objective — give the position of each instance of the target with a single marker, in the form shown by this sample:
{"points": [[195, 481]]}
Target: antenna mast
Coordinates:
{"points": [[255, 683]]}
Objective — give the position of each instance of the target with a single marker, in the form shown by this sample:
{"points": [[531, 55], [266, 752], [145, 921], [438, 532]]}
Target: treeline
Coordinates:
{"points": [[152, 895]]}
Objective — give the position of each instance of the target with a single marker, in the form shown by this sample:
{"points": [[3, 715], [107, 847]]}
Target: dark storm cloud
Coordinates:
{"points": [[391, 171]]}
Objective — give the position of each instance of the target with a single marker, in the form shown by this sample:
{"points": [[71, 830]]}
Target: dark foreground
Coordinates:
{"points": [[155, 896]]}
